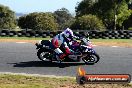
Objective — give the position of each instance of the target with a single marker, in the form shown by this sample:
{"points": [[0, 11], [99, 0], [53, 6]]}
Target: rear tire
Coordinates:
{"points": [[43, 55], [91, 59]]}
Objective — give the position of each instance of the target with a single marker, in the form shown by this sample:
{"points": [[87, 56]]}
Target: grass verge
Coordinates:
{"points": [[100, 42], [113, 42], [22, 81], [24, 38]]}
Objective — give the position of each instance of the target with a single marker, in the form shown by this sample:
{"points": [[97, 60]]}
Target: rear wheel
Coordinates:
{"points": [[43, 55], [91, 59]]}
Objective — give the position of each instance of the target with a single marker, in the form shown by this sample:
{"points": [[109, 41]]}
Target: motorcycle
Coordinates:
{"points": [[82, 50]]}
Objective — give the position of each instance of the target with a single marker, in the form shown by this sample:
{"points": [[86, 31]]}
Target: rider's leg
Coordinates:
{"points": [[59, 54]]}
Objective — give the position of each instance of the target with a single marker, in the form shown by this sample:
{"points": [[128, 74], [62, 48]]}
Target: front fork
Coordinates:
{"points": [[88, 53]]}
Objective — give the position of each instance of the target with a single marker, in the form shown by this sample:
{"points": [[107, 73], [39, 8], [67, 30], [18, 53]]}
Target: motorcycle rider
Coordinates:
{"points": [[63, 39]]}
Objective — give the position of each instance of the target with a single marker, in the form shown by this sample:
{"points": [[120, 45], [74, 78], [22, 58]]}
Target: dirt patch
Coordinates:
{"points": [[17, 40], [102, 43], [113, 44], [98, 86]]}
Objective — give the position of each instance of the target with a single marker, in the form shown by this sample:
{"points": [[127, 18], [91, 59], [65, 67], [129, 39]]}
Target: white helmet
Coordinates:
{"points": [[68, 33]]}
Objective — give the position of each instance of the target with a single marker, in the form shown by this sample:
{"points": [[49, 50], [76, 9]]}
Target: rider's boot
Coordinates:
{"points": [[60, 57]]}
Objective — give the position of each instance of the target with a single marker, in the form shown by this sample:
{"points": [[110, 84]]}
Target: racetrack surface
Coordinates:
{"points": [[21, 58]]}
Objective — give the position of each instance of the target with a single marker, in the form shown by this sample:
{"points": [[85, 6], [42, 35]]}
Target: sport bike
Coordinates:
{"points": [[82, 50]]}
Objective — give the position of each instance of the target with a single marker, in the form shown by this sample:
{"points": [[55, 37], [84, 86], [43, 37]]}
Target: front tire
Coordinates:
{"points": [[91, 59], [43, 55]]}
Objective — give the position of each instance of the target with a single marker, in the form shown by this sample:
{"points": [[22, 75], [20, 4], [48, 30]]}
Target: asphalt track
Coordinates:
{"points": [[21, 58]]}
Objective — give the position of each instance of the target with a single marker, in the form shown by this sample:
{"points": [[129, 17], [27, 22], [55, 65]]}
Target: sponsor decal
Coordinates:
{"points": [[83, 78]]}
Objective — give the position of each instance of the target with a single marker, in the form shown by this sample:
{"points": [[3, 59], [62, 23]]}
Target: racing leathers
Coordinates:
{"points": [[60, 40]]}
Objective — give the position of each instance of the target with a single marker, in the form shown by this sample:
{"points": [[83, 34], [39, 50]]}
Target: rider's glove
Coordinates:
{"points": [[76, 37], [71, 51]]}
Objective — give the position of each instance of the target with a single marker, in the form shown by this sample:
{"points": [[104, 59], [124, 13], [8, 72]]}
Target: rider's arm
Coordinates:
{"points": [[66, 47], [76, 37]]}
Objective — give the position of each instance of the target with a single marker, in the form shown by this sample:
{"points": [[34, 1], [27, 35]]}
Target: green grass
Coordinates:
{"points": [[22, 81], [24, 38], [113, 40], [105, 42]]}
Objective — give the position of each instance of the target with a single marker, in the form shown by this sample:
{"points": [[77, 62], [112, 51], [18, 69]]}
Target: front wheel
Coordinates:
{"points": [[43, 55], [91, 59]]}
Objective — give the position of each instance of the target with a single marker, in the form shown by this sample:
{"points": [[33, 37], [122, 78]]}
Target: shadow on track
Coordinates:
{"points": [[45, 64]]}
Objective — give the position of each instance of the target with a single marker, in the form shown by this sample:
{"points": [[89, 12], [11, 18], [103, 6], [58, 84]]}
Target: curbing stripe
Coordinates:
{"points": [[115, 46], [36, 75], [94, 45], [21, 42]]}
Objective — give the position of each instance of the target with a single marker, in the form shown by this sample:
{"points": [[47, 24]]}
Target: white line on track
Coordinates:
{"points": [[37, 75], [94, 45], [115, 46], [21, 42]]}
